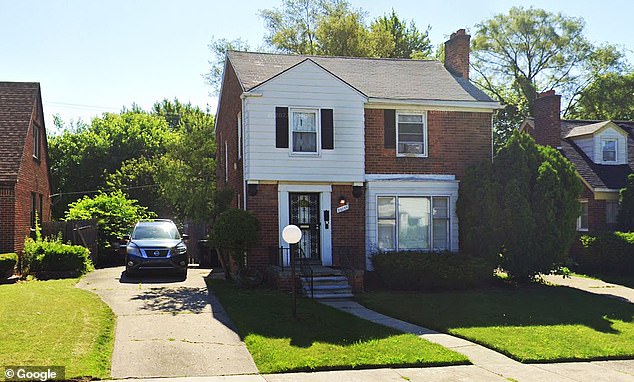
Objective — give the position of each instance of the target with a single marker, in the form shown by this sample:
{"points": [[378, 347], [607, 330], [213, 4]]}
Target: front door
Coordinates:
{"points": [[304, 213]]}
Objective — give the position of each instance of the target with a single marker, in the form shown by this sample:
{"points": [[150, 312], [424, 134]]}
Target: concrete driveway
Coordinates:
{"points": [[167, 327]]}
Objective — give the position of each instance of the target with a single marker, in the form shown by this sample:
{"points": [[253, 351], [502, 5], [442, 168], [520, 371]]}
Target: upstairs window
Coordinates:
{"points": [[411, 134], [36, 141], [608, 148], [304, 131]]}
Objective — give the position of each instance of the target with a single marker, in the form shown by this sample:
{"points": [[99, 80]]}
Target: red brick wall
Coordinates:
{"points": [[264, 207], [456, 140], [348, 227], [7, 218], [32, 177], [227, 130], [547, 122], [457, 53], [596, 211]]}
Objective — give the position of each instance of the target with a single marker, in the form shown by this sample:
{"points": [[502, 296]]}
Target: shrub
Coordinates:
{"points": [[7, 264], [608, 252], [114, 212], [431, 270], [54, 256], [233, 233], [520, 210]]}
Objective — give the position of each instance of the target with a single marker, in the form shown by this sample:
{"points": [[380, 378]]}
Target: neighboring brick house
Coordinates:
{"points": [[24, 177], [601, 151], [362, 154]]}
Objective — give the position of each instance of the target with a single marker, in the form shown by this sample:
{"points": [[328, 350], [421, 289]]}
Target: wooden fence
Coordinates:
{"points": [[77, 232]]}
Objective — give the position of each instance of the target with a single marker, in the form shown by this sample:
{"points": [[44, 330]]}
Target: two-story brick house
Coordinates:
{"points": [[24, 177], [601, 151], [363, 154]]}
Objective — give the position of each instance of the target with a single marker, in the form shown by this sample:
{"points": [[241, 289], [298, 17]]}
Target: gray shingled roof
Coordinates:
{"points": [[592, 128], [17, 100], [396, 79], [596, 175]]}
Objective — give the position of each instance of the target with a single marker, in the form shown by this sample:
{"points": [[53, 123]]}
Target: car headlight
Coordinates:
{"points": [[133, 250], [179, 249]]}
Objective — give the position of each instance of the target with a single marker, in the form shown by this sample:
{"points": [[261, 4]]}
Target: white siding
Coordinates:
{"points": [[587, 145], [429, 187], [305, 86], [621, 147]]}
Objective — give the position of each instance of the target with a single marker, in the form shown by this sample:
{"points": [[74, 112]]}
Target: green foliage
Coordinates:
{"points": [[233, 233], [335, 28], [114, 212], [608, 97], [7, 264], [81, 159], [626, 212], [219, 50], [431, 270], [517, 55], [520, 210], [54, 256], [607, 253]]}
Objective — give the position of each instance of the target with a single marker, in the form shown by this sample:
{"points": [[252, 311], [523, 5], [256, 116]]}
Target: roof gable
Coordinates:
{"points": [[594, 128], [299, 66], [18, 103], [394, 79]]}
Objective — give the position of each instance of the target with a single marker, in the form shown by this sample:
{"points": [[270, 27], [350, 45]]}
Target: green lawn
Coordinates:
{"points": [[322, 338], [532, 324], [53, 323]]}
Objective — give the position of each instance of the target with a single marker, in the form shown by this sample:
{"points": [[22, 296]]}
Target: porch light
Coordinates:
{"points": [[252, 189], [342, 200]]}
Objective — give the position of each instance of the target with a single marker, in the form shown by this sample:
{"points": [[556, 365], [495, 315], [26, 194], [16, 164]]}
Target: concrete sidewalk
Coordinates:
{"points": [[492, 363], [593, 286], [168, 327]]}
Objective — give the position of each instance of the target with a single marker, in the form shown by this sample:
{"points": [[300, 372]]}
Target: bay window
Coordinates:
{"points": [[413, 223]]}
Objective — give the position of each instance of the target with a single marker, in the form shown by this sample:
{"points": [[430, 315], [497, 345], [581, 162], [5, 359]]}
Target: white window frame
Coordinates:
{"points": [[239, 135], [316, 111], [36, 141], [616, 150], [425, 145], [431, 220], [579, 227]]}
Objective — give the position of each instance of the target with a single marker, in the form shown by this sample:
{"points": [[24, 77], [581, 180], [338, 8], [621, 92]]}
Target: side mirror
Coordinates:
{"points": [[185, 236]]}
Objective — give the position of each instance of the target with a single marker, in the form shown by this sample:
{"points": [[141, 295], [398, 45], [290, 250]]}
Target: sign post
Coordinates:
{"points": [[292, 235]]}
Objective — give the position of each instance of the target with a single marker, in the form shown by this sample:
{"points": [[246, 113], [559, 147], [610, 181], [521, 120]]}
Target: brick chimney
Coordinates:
{"points": [[457, 53], [546, 111]]}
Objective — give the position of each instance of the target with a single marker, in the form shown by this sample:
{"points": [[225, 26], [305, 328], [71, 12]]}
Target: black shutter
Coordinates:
{"points": [[389, 128], [281, 127], [327, 133]]}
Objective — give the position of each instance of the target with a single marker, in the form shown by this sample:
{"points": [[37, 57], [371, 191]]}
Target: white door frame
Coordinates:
{"points": [[325, 192]]}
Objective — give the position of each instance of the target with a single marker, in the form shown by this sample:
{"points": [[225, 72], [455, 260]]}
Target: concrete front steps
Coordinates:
{"points": [[328, 284]]}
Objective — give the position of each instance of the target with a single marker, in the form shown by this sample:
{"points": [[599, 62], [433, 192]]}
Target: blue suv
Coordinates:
{"points": [[156, 245]]}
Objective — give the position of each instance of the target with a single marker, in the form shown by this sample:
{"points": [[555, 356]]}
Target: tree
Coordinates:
{"points": [[608, 97], [626, 211], [186, 173], [519, 212], [341, 32], [81, 159], [114, 212], [516, 56], [398, 40], [234, 232], [219, 50]]}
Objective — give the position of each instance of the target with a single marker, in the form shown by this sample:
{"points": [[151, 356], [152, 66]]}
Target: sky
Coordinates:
{"points": [[92, 57]]}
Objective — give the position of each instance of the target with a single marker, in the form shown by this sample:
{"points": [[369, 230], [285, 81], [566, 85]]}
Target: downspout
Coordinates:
{"points": [[244, 152]]}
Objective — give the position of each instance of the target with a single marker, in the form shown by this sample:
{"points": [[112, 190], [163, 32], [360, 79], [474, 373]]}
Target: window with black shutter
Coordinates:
{"points": [[327, 130], [281, 127]]}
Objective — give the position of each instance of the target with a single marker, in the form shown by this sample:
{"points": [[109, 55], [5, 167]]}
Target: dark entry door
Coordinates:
{"points": [[304, 213]]}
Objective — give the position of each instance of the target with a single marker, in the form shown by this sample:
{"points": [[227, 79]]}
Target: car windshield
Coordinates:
{"points": [[155, 231]]}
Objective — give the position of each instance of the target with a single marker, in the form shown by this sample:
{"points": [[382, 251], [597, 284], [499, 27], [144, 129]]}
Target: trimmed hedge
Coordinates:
{"points": [[607, 252], [414, 270], [7, 264], [54, 256]]}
